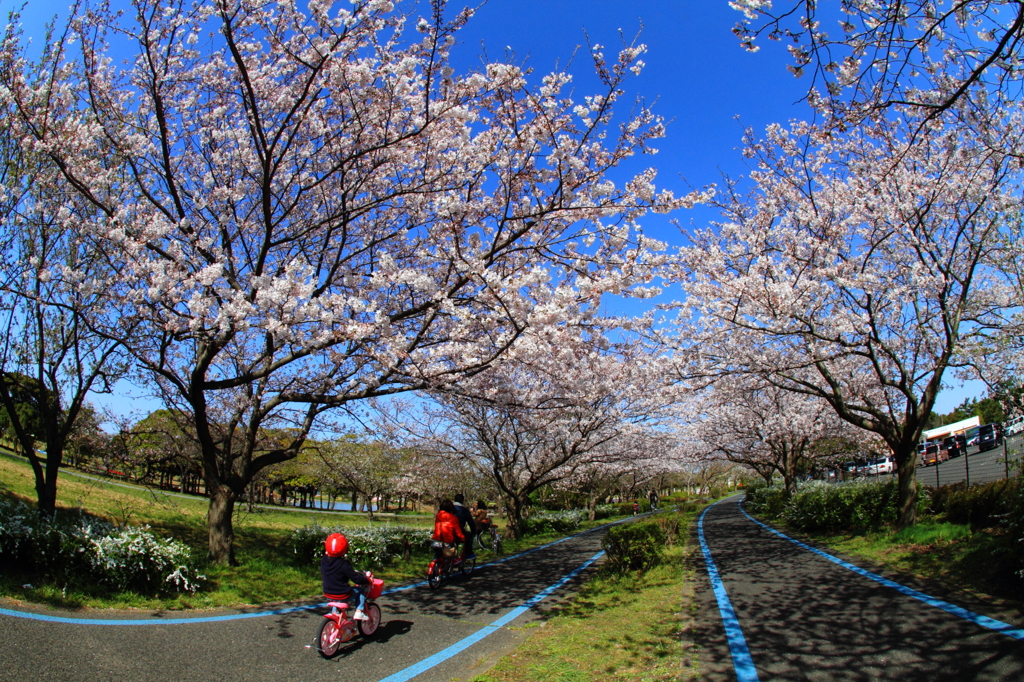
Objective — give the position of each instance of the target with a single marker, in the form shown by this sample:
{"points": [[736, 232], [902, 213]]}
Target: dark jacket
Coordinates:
{"points": [[446, 528], [465, 519], [336, 572]]}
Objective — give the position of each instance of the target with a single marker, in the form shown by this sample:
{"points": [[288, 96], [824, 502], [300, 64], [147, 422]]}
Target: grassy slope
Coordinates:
{"points": [[267, 571]]}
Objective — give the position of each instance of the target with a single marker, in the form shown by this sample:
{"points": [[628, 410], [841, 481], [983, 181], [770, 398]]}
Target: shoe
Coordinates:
{"points": [[359, 615]]}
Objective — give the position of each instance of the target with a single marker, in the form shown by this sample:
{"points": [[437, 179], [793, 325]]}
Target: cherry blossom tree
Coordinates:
{"points": [[939, 65], [556, 405], [52, 355], [960, 59], [312, 208], [647, 459], [856, 272], [770, 429]]}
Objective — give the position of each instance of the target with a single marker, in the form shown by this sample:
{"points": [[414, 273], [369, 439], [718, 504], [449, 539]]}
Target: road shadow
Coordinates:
{"points": [[806, 618], [492, 589]]}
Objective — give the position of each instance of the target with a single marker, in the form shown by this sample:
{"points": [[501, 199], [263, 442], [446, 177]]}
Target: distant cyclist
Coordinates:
{"points": [[467, 525], [480, 517], [446, 528]]}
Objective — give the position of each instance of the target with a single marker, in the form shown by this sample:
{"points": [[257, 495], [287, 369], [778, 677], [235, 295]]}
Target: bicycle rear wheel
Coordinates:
{"points": [[467, 566], [328, 638], [434, 575]]}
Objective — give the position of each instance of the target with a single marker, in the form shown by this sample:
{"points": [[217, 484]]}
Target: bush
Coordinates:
{"points": [[672, 525], [1013, 522], [766, 501], [543, 522], [626, 508], [854, 505], [980, 506], [374, 546], [85, 551], [831, 507], [633, 546]]}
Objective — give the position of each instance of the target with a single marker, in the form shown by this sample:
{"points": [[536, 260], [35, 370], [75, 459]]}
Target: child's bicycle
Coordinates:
{"points": [[337, 628], [492, 541], [448, 563]]}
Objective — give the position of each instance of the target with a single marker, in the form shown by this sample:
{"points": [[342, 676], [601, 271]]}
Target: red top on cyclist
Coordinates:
{"points": [[446, 524], [336, 572]]}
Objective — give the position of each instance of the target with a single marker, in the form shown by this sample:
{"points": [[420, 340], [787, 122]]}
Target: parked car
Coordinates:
{"points": [[851, 469], [879, 465], [989, 436], [954, 445], [1014, 426], [972, 435], [930, 453]]}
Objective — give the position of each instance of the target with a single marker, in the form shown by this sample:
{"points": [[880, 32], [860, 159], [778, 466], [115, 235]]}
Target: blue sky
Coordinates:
{"points": [[697, 76]]}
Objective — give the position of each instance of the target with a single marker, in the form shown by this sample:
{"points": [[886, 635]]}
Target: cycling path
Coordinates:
{"points": [[450, 633], [772, 609]]}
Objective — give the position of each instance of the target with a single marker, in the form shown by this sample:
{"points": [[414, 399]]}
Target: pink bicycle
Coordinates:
{"points": [[337, 628]]}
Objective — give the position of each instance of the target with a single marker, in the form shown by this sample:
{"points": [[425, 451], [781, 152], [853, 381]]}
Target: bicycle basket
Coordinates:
{"points": [[449, 552], [376, 587]]}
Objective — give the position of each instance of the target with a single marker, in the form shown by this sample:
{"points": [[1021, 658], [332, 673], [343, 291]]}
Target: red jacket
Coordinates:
{"points": [[446, 528]]}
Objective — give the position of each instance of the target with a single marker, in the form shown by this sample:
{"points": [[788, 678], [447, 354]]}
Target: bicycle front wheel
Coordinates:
{"points": [[369, 627]]}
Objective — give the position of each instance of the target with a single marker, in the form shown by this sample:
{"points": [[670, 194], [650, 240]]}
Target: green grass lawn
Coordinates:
{"points": [[951, 554], [617, 627], [267, 571]]}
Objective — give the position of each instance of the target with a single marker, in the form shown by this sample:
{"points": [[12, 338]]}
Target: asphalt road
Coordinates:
{"points": [[417, 623], [805, 618]]}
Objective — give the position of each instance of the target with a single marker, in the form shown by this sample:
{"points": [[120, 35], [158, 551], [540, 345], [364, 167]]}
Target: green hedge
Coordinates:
{"points": [[832, 507], [766, 501], [981, 506], [633, 546]]}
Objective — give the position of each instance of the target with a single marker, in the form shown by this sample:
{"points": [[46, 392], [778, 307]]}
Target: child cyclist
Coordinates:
{"points": [[336, 571]]}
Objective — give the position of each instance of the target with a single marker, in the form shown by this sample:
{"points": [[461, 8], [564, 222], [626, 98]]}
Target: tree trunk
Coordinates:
{"points": [[222, 533], [514, 514], [906, 464]]}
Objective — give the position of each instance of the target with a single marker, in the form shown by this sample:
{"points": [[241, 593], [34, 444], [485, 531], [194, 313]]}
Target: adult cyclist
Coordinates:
{"points": [[467, 524]]}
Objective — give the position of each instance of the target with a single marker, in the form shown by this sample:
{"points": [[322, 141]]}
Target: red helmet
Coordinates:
{"points": [[336, 544]]}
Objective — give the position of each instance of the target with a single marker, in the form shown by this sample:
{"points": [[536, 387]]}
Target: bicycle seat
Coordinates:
{"points": [[338, 605]]}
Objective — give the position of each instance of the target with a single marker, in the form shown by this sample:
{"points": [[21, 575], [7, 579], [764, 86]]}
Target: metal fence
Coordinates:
{"points": [[977, 467]]}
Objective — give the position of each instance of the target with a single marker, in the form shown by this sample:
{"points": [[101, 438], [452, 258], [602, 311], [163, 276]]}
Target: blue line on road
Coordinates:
{"points": [[741, 660], [463, 644], [976, 618]]}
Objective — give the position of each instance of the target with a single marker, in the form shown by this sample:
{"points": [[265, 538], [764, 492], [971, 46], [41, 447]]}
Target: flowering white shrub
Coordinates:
{"points": [[94, 551], [132, 557], [554, 522], [368, 546]]}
